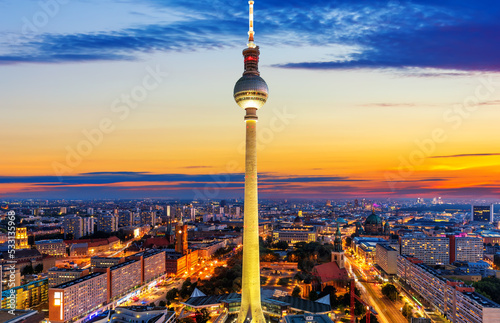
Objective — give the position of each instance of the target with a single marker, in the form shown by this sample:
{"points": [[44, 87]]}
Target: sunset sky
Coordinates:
{"points": [[133, 99]]}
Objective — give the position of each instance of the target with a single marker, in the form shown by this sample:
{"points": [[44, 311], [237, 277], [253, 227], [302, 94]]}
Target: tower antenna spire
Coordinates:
{"points": [[251, 44]]}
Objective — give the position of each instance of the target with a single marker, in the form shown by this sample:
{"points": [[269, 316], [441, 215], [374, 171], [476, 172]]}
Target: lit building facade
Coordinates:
{"points": [[56, 247], [76, 298], [124, 277], [296, 234], [26, 296], [431, 250], [386, 257], [181, 238], [154, 264], [105, 262], [73, 224], [468, 249], [482, 213], [457, 302], [107, 223], [21, 238], [58, 276]]}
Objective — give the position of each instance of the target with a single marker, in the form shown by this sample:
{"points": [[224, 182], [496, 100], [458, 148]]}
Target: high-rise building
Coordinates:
{"points": [[431, 250], [59, 276], [459, 303], [386, 258], [250, 93], [148, 218], [88, 225], [74, 298], [107, 223], [125, 218], [482, 213], [468, 249], [73, 224]]}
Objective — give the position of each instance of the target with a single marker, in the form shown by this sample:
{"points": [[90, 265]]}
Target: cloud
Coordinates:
{"points": [[145, 184], [467, 155], [390, 105], [106, 178], [456, 35]]}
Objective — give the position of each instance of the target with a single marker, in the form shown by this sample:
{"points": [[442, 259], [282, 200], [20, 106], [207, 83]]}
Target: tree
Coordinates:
{"points": [[313, 296], [162, 303], [284, 281], [282, 245], [296, 291], [202, 316], [407, 310], [172, 294], [27, 270], [390, 291], [38, 268], [332, 291]]}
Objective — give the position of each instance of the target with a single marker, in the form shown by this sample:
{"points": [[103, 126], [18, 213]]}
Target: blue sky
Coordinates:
{"points": [[363, 80], [383, 34]]}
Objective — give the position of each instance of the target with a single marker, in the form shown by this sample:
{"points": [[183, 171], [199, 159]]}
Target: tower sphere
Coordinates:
{"points": [[251, 91]]}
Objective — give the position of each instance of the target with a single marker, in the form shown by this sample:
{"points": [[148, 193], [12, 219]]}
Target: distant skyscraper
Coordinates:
{"points": [[73, 224], [480, 213], [107, 223], [250, 93]]}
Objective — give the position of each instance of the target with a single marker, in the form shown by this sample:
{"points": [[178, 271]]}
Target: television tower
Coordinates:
{"points": [[250, 93]]}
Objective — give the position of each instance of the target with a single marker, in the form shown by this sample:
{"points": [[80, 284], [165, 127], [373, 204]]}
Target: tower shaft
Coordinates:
{"points": [[250, 295]]}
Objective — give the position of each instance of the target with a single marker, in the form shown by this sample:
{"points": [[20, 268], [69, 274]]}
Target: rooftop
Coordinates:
{"points": [[19, 315], [386, 247], [49, 241], [123, 264], [77, 281], [66, 269], [318, 318]]}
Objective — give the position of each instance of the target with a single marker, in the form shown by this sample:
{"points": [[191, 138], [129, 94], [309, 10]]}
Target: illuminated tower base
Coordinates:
{"points": [[250, 296]]}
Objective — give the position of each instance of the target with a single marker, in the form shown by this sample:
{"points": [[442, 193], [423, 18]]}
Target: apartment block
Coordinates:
{"points": [[468, 249], [74, 299], [58, 276], [431, 250], [459, 303], [55, 247], [124, 277], [386, 257]]}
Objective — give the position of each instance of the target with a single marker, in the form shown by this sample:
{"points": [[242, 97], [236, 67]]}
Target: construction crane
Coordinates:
{"points": [[354, 296]]}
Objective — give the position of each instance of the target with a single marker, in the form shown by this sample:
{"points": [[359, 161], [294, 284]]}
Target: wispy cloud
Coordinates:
{"points": [[467, 155], [456, 35]]}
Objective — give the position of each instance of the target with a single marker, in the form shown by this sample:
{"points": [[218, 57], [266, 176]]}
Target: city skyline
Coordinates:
{"points": [[387, 99]]}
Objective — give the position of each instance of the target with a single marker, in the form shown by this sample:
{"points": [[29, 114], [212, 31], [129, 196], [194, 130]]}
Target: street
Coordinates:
{"points": [[388, 311]]}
